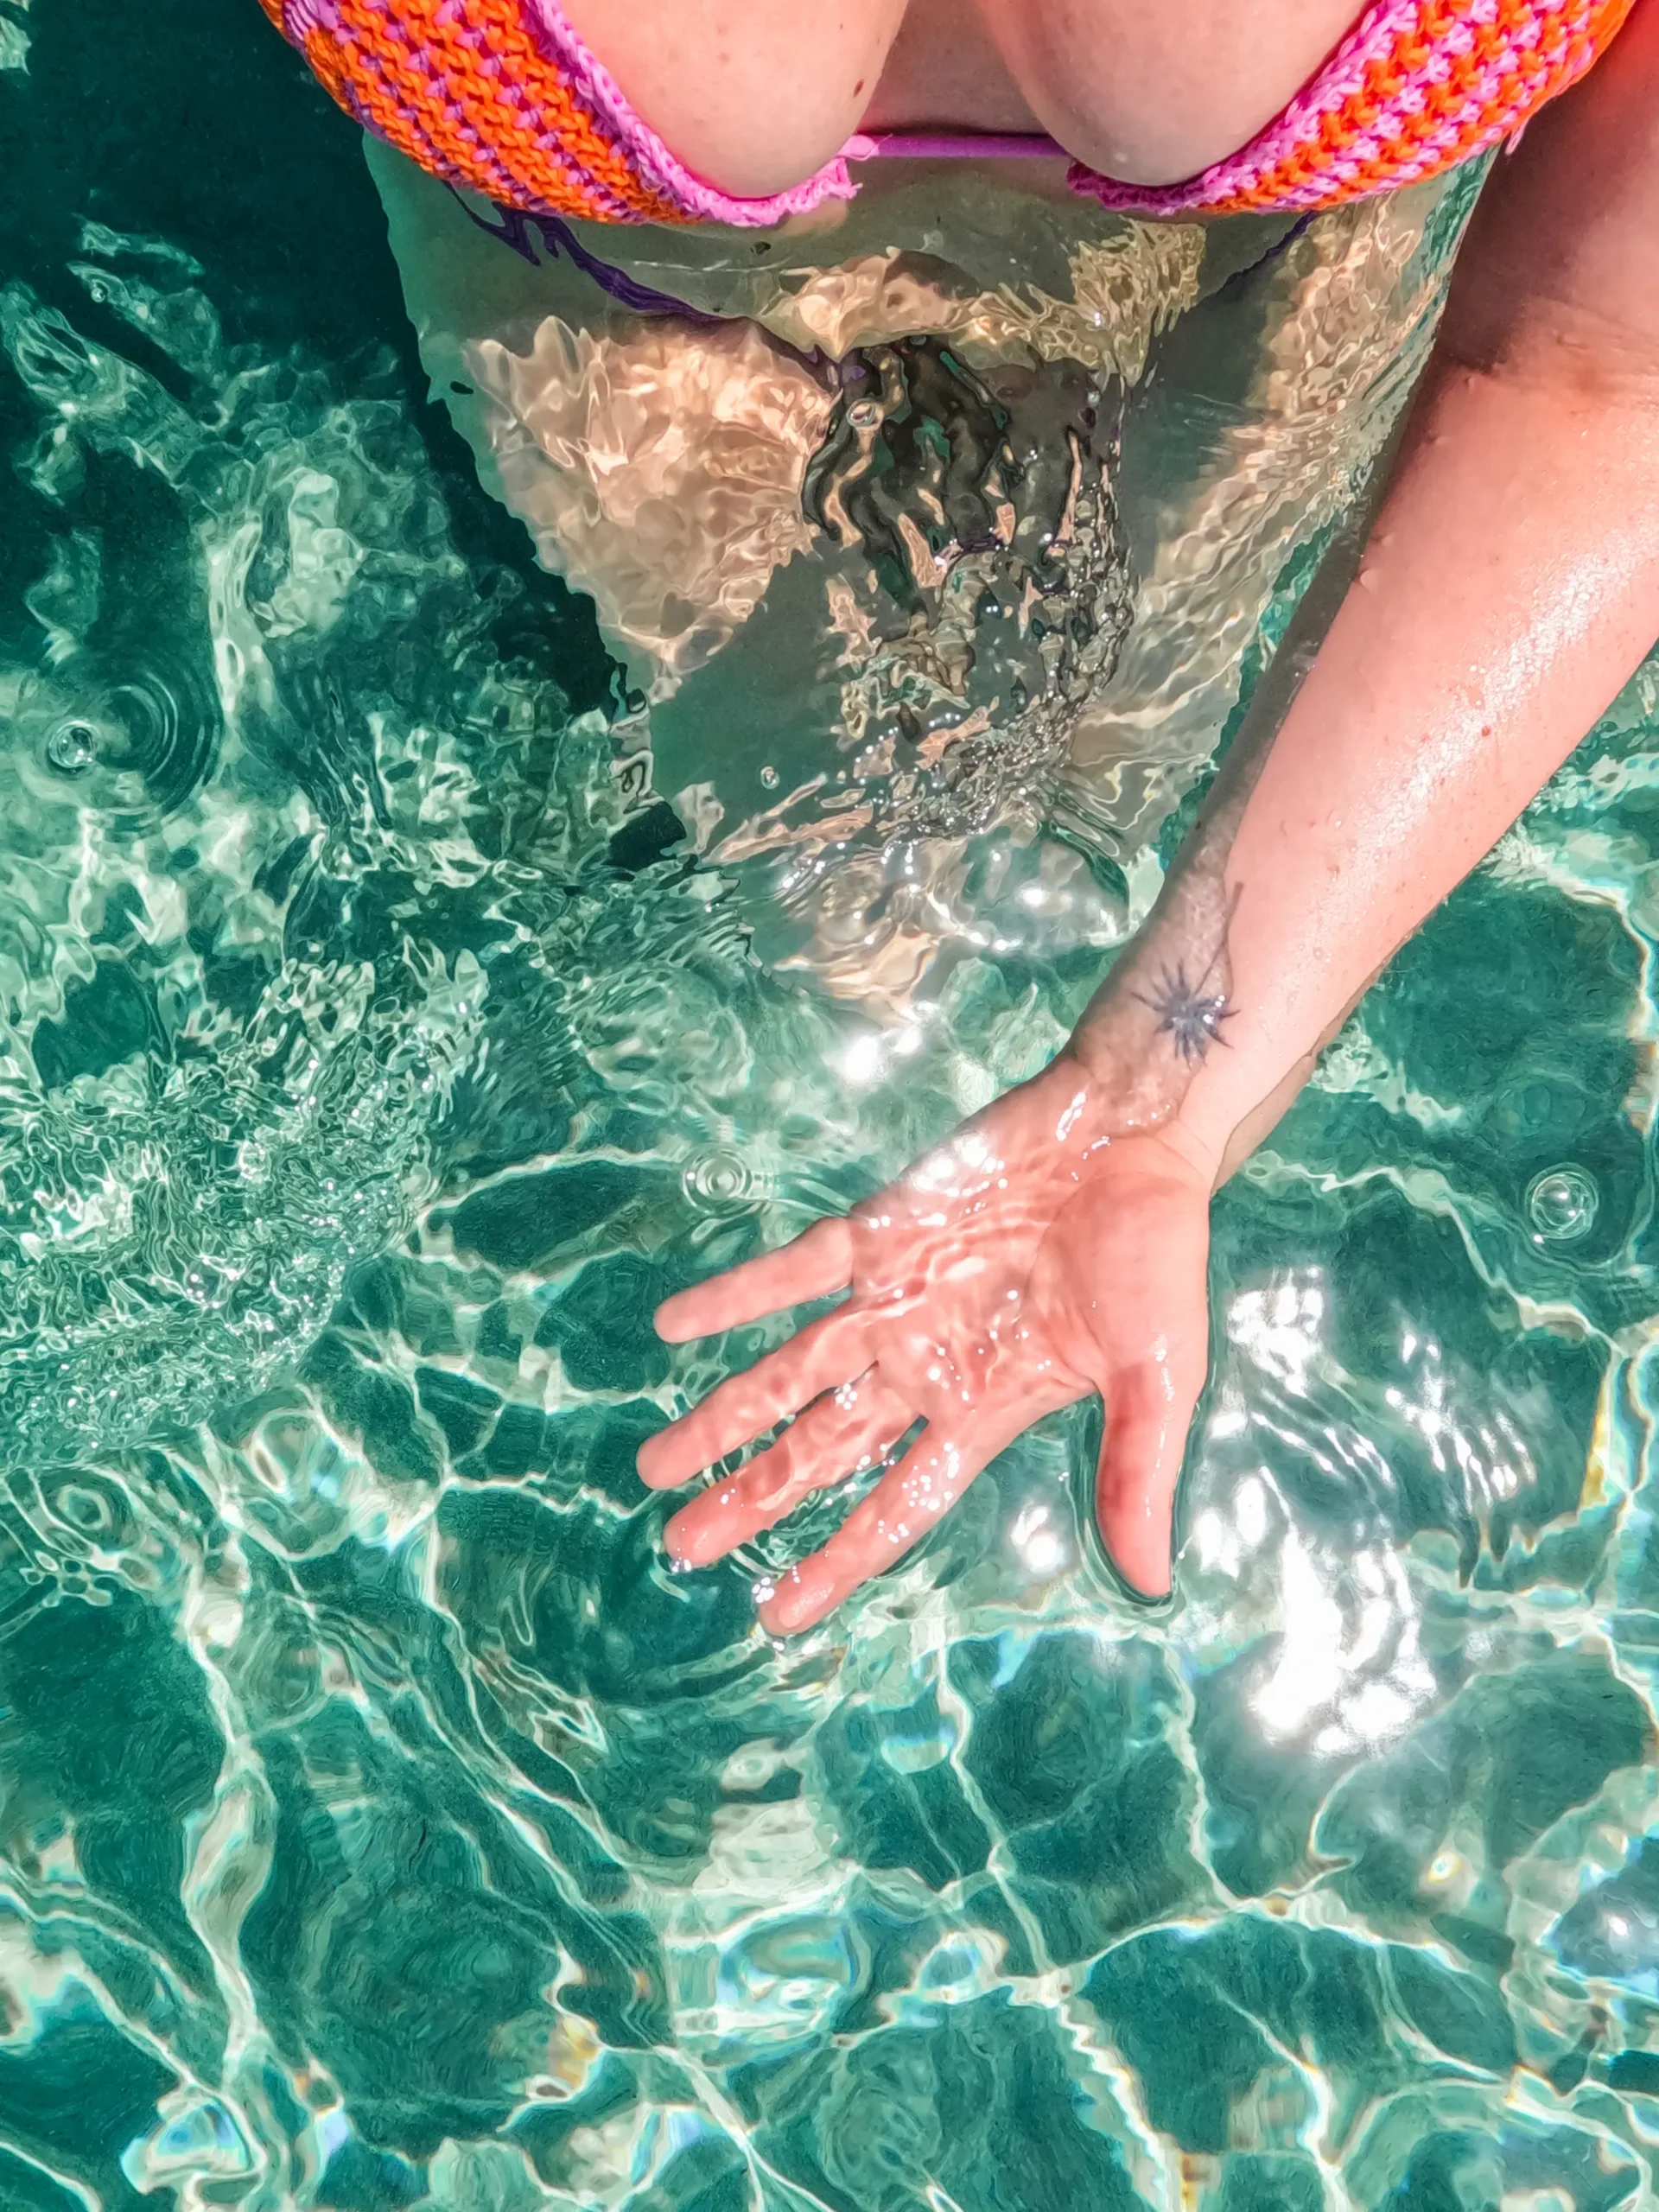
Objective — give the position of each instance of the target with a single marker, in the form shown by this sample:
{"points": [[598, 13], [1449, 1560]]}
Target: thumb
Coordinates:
{"points": [[1149, 1408]]}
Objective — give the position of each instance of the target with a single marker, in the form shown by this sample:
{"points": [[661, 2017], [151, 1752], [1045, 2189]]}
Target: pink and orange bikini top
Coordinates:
{"points": [[502, 97]]}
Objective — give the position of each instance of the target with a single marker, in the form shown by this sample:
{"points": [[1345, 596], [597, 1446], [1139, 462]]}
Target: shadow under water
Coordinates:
{"points": [[381, 1826]]}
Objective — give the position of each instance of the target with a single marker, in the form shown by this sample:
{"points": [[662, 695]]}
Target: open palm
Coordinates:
{"points": [[1036, 1255]]}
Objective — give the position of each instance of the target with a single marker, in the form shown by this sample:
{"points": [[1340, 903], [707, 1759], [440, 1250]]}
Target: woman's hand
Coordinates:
{"points": [[1038, 1255]]}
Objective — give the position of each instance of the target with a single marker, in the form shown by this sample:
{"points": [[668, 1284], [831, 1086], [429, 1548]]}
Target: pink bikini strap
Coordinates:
{"points": [[951, 146]]}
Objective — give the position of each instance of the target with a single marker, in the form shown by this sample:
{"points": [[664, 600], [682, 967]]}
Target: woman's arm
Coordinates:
{"points": [[1509, 589]]}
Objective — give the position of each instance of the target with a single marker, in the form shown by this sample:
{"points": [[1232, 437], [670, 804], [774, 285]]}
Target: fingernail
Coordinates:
{"points": [[647, 1462], [684, 1550], [798, 1603]]}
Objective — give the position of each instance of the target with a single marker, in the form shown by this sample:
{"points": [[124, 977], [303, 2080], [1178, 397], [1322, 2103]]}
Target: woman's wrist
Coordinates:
{"points": [[1216, 1125], [1160, 1026]]}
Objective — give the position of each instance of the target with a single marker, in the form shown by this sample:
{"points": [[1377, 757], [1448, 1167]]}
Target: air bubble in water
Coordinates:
{"points": [[1561, 1204], [718, 1181], [864, 414], [72, 749]]}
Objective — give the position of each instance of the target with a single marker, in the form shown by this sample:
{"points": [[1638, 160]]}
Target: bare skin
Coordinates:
{"points": [[755, 95], [1508, 588]]}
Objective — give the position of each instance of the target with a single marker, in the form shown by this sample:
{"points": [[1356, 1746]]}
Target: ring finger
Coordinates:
{"points": [[852, 1429]]}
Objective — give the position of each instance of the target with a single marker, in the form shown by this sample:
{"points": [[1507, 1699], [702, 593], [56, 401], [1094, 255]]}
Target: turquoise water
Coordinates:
{"points": [[380, 1825]]}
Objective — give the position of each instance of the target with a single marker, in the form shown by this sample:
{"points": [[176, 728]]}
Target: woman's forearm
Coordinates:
{"points": [[1508, 588]]}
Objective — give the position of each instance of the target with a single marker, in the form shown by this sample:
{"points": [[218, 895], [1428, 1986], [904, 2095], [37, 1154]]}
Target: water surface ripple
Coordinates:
{"points": [[381, 1826]]}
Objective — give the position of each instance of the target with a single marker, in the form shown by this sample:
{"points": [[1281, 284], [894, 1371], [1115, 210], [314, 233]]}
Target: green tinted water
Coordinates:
{"points": [[379, 1824]]}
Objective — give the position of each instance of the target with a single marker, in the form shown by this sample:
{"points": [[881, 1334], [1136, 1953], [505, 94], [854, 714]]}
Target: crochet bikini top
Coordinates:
{"points": [[502, 97]]}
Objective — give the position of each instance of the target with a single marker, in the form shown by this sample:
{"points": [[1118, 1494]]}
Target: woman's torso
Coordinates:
{"points": [[756, 95]]}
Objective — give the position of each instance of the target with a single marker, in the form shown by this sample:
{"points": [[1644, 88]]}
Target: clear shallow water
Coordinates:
{"points": [[379, 1824]]}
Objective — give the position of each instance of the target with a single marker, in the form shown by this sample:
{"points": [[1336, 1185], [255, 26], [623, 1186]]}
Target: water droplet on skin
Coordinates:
{"points": [[1561, 1204], [73, 749]]}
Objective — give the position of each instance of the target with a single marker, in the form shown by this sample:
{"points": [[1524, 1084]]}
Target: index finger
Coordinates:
{"points": [[815, 1264]]}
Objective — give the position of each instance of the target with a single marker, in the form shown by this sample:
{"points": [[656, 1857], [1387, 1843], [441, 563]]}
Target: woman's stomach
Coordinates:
{"points": [[930, 528]]}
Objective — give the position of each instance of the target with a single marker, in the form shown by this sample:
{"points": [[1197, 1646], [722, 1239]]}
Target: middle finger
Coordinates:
{"points": [[852, 1428], [825, 1354]]}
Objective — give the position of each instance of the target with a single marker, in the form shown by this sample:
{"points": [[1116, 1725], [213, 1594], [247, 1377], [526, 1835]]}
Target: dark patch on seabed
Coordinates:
{"points": [[380, 1825]]}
